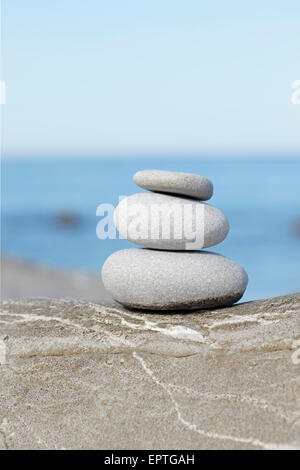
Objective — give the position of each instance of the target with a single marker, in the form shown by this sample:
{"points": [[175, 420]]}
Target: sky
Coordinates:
{"points": [[98, 78]]}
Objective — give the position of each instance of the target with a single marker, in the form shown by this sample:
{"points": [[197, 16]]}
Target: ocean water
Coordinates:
{"points": [[260, 197]]}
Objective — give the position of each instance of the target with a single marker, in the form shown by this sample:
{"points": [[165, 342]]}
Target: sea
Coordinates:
{"points": [[49, 212]]}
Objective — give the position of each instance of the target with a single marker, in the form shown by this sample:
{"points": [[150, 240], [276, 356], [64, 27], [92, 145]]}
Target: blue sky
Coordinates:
{"points": [[134, 77]]}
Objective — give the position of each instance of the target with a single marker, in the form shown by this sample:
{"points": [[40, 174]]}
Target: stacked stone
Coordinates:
{"points": [[174, 224]]}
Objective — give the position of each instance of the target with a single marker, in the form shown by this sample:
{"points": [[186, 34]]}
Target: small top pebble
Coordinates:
{"points": [[175, 182]]}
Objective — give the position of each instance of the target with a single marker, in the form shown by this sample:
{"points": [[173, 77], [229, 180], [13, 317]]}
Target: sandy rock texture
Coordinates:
{"points": [[98, 376]]}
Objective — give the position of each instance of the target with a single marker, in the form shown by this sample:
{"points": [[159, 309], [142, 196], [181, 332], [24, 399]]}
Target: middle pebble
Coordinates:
{"points": [[170, 222]]}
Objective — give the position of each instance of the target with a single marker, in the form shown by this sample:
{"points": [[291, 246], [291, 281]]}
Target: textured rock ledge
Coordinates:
{"points": [[82, 375]]}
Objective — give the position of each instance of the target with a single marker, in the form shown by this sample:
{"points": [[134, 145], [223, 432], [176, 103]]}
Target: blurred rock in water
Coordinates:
{"points": [[67, 219], [296, 228]]}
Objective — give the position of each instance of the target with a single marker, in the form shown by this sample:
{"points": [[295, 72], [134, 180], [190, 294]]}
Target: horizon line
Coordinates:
{"points": [[155, 156]]}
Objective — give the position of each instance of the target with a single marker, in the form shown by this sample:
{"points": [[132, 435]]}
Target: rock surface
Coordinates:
{"points": [[165, 222], [88, 376], [187, 184], [168, 280]]}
